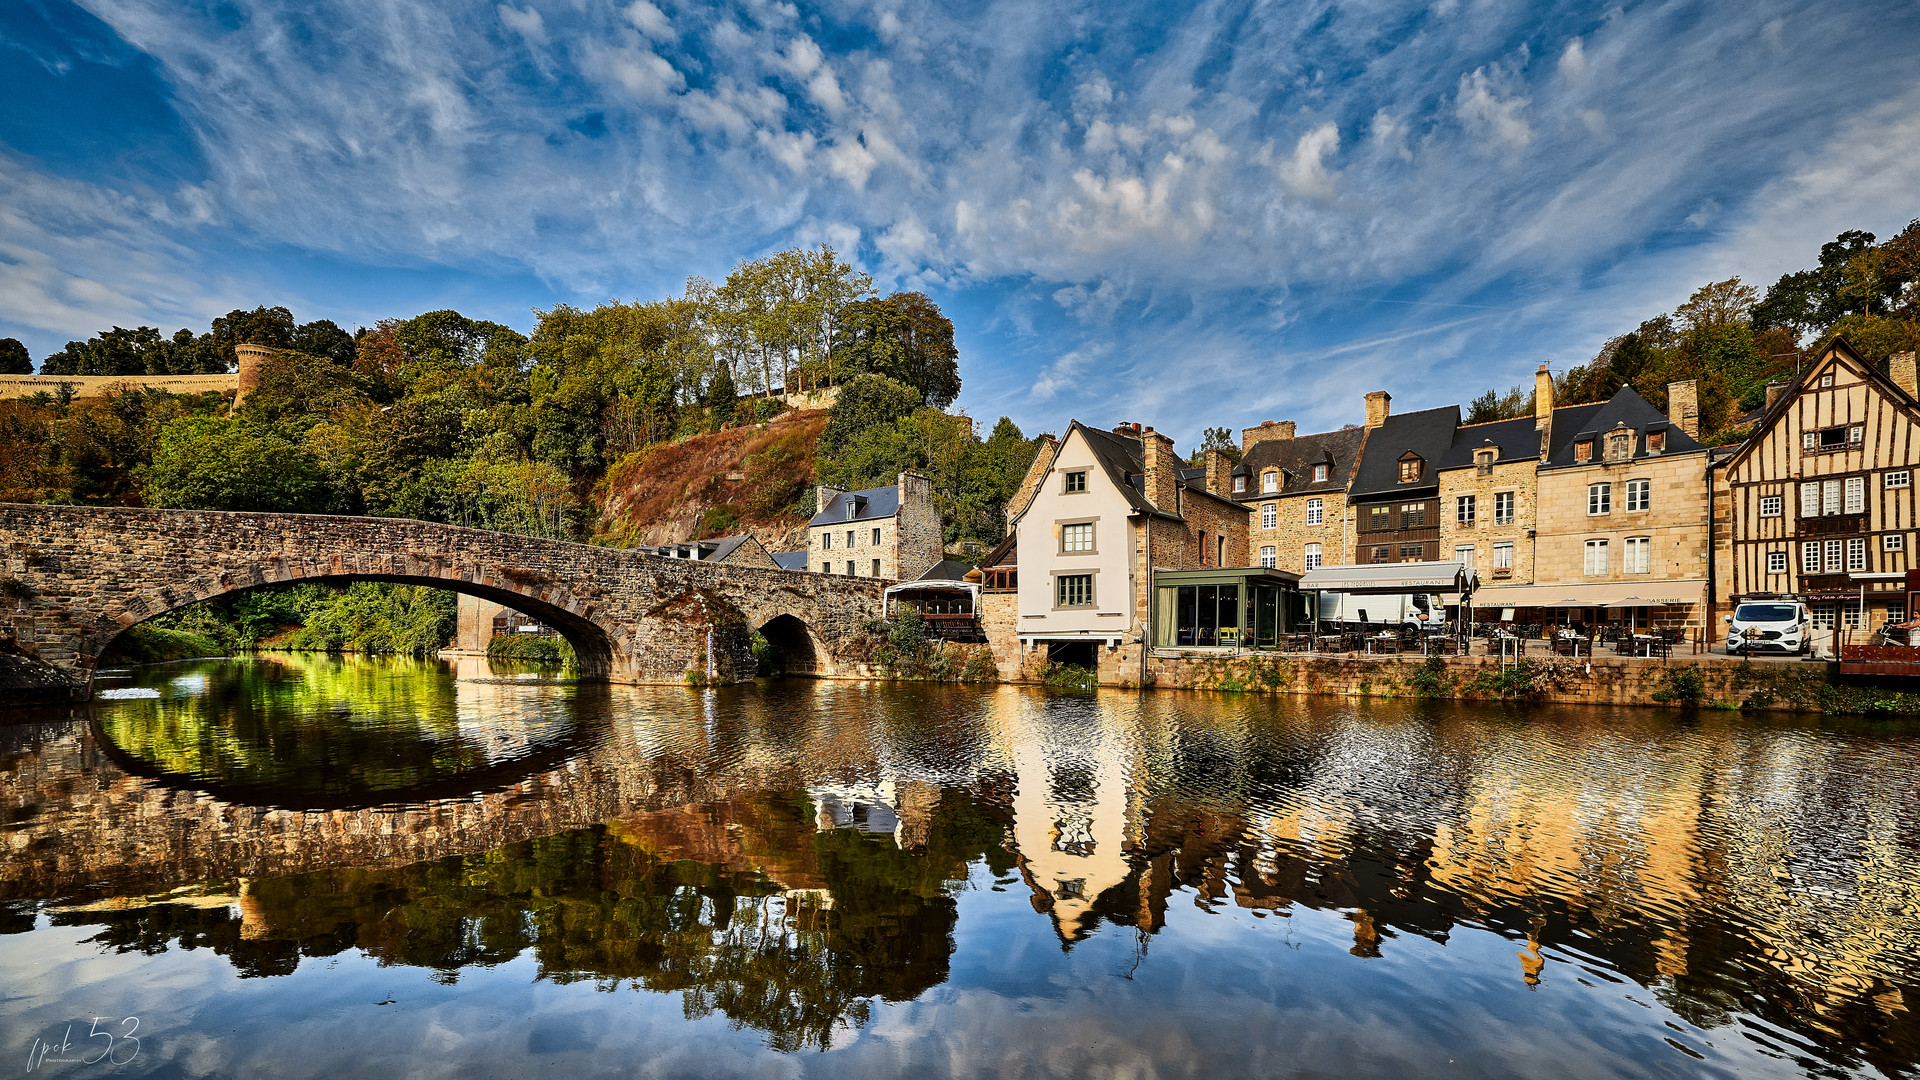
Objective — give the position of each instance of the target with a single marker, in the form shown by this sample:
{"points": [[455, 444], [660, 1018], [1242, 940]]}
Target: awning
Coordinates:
{"points": [[1607, 595], [1379, 578]]}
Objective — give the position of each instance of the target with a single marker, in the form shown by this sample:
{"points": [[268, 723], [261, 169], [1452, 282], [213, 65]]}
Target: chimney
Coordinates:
{"points": [[1900, 370], [1131, 430], [1683, 407], [1377, 403], [1543, 408], [1219, 468], [1268, 431], [824, 495], [1159, 473], [1774, 390]]}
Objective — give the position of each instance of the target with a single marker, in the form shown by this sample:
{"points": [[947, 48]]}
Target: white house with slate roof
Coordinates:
{"points": [[890, 532]]}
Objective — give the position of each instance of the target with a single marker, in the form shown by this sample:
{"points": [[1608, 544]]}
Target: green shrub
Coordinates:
{"points": [[149, 644], [1071, 677], [538, 648]]}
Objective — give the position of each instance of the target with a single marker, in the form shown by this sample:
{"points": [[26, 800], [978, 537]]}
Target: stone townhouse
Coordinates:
{"points": [[1104, 512], [1296, 487], [1622, 529], [889, 532], [1819, 500], [1487, 499], [1395, 493]]}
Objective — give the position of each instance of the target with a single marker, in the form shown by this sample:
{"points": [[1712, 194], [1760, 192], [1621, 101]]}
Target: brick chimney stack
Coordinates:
{"points": [[1774, 390], [1219, 470], [1268, 431], [1900, 370], [1683, 407], [1159, 474], [1377, 404], [1543, 408], [824, 495]]}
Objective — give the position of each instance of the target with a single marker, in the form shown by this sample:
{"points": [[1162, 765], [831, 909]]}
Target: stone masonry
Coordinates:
{"points": [[73, 578]]}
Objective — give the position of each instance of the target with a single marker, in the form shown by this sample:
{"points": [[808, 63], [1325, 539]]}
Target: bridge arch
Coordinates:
{"points": [[796, 648], [594, 643]]}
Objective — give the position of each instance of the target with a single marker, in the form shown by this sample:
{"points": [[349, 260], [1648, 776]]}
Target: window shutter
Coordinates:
{"points": [[1809, 500], [1856, 494], [1809, 440]]}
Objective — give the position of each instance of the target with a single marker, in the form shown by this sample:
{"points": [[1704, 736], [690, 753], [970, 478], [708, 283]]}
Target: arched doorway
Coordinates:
{"points": [[789, 649]]}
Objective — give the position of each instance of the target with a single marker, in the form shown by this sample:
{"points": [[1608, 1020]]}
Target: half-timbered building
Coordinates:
{"points": [[1820, 497]]}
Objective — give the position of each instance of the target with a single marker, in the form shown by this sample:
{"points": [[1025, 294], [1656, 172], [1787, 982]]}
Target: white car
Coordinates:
{"points": [[1758, 626]]}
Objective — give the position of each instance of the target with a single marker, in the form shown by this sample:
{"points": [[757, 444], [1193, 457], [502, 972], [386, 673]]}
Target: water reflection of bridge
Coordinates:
{"points": [[1728, 867]]}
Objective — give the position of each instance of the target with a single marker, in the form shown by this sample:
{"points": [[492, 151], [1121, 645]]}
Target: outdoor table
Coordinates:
{"points": [[1386, 641]]}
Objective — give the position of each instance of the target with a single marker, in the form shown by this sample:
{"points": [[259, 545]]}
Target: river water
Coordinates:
{"points": [[303, 866]]}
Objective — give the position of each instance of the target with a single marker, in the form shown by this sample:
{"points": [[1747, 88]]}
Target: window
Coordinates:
{"points": [[1413, 552], [1821, 615], [1463, 509], [1776, 562], [1849, 617], [1312, 560], [1073, 590], [826, 541], [1856, 501], [1833, 438], [1583, 450], [1270, 515], [1639, 495], [1503, 556], [876, 568], [1377, 517], [1810, 500], [1220, 550], [1076, 482], [1810, 557], [1320, 473], [1599, 499], [1900, 479], [1382, 554], [850, 570], [1315, 511], [1771, 505], [1596, 558], [1203, 549], [1409, 469], [1856, 554], [1619, 445], [1639, 555], [1483, 461], [1267, 558], [1856, 434], [1503, 508], [1076, 538], [1239, 484], [1893, 542], [876, 538], [1835, 549], [1269, 482], [1656, 442], [826, 568], [1826, 379], [1463, 554], [850, 533], [1413, 515]]}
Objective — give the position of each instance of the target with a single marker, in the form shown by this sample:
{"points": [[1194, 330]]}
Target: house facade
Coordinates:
{"points": [[1296, 490], [1395, 493], [1487, 499], [1820, 497], [890, 532]]}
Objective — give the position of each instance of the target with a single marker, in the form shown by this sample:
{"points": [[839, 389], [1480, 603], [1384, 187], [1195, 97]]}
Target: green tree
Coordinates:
{"points": [[13, 358], [905, 338], [1217, 438], [865, 403], [216, 463]]}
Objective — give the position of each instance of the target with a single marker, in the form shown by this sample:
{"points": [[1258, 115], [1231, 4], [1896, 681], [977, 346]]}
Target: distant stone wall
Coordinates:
{"points": [[21, 386]]}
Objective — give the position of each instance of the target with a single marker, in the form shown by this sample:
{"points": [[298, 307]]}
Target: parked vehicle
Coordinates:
{"points": [[1412, 612], [1776, 625]]}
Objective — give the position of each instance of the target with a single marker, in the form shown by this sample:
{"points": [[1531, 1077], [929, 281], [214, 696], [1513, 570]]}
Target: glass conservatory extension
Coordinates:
{"points": [[1231, 607]]}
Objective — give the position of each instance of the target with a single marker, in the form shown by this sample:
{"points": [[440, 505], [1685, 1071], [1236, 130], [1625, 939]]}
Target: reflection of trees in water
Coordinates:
{"points": [[670, 902]]}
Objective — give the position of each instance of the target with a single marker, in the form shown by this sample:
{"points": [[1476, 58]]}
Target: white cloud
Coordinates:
{"points": [[644, 73], [1573, 61], [1305, 172], [1490, 116], [528, 23], [651, 21]]}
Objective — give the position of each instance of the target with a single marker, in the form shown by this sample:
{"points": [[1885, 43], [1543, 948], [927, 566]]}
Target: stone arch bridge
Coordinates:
{"points": [[74, 578]]}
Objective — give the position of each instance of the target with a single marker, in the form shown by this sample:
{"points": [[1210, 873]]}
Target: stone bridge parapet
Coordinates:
{"points": [[74, 578]]}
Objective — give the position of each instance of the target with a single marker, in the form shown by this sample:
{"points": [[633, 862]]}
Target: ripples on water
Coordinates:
{"points": [[308, 867]]}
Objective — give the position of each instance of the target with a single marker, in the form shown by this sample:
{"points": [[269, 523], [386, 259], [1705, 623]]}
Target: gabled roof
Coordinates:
{"points": [[1004, 553], [872, 504], [1121, 457], [723, 546], [946, 570], [1296, 457], [791, 560], [1842, 350], [1516, 439], [1593, 421], [1428, 433]]}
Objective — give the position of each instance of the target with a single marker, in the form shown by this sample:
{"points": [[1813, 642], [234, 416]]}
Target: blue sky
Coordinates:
{"points": [[1182, 216]]}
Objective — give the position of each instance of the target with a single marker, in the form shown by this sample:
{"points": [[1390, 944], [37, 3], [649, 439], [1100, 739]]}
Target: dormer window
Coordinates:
{"points": [[1320, 472], [1483, 459], [1270, 481], [1239, 484], [1410, 468], [1656, 442], [1620, 445], [1583, 450]]}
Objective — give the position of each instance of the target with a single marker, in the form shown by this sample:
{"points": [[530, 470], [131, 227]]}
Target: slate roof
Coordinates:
{"points": [[1295, 459], [791, 560], [1122, 459], [1593, 421], [723, 546], [1516, 439], [879, 503], [1428, 433], [946, 570]]}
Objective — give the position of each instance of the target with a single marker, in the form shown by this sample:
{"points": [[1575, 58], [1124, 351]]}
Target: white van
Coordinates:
{"points": [[1411, 612], [1760, 625]]}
